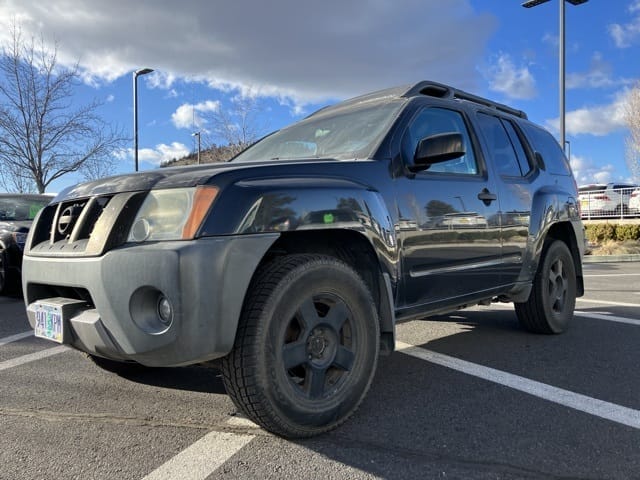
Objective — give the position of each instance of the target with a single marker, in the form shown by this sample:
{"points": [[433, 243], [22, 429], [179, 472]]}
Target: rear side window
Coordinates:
{"points": [[504, 145], [543, 142]]}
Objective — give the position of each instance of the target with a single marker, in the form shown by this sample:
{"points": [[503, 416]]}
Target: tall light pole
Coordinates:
{"points": [[197, 134], [136, 74], [534, 3]]}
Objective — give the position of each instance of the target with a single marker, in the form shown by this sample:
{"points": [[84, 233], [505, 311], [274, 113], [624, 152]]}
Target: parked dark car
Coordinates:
{"points": [[17, 211], [292, 263]]}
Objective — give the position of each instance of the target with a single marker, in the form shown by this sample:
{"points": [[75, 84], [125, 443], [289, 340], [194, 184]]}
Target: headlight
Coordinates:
{"points": [[173, 214]]}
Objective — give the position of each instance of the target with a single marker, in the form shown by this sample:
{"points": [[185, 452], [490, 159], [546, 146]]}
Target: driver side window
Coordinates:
{"points": [[432, 121]]}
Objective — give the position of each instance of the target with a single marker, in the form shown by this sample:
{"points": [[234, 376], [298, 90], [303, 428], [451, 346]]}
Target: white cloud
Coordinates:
{"points": [[587, 171], [624, 35], [506, 78], [110, 98], [189, 115], [163, 153], [599, 75], [307, 51], [599, 120], [551, 39]]}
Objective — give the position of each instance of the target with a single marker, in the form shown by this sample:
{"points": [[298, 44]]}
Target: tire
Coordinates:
{"points": [[306, 347], [6, 277], [550, 306]]}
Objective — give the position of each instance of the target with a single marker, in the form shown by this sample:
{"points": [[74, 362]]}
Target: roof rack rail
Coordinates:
{"points": [[439, 90]]}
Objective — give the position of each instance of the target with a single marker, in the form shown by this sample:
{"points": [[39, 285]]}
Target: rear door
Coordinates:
{"points": [[505, 151]]}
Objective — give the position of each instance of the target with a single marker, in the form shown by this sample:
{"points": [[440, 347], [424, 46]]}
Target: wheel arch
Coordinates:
{"points": [[564, 232], [355, 250]]}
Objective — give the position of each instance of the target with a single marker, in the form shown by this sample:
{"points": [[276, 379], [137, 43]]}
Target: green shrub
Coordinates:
{"points": [[603, 232], [600, 232], [627, 232]]}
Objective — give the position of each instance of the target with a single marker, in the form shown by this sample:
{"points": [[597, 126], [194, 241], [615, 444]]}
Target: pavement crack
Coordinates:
{"points": [[52, 416], [224, 425]]}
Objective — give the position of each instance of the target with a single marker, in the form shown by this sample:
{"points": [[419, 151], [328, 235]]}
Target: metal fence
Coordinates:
{"points": [[601, 202]]}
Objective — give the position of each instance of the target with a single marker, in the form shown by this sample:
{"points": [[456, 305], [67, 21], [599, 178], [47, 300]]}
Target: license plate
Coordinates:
{"points": [[49, 322]]}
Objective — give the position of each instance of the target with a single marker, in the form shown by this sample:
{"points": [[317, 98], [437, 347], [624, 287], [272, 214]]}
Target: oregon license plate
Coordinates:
{"points": [[49, 322]]}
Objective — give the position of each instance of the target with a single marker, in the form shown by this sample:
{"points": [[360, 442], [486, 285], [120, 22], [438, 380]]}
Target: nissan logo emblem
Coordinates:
{"points": [[67, 220]]}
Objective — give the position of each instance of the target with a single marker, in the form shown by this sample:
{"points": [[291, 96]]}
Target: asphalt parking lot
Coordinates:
{"points": [[469, 395]]}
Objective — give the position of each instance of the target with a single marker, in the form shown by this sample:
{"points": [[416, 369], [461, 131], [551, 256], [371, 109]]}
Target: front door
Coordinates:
{"points": [[449, 235]]}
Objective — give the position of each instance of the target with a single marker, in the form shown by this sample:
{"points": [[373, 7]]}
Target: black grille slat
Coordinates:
{"points": [[85, 227]]}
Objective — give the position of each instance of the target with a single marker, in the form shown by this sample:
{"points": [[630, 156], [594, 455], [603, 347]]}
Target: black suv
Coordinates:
{"points": [[17, 211], [293, 262]]}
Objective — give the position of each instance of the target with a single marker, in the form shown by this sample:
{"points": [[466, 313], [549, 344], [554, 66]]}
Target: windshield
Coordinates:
{"points": [[339, 133], [21, 208]]}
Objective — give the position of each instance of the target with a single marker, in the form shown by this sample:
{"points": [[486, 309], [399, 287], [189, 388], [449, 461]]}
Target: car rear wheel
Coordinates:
{"points": [[306, 348], [553, 297]]}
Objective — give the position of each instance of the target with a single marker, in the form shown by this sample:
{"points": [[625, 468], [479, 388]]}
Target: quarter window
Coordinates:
{"points": [[543, 142]]}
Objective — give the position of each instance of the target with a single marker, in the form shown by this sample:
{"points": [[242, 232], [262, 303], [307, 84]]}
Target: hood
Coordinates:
{"points": [[163, 177], [172, 177]]}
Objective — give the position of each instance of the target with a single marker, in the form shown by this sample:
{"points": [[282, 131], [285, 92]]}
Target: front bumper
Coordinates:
{"points": [[205, 280]]}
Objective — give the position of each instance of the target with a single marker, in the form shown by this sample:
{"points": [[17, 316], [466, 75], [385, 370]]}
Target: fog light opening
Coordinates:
{"points": [[165, 310]]}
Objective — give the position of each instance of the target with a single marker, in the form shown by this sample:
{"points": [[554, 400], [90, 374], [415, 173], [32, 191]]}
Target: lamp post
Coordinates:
{"points": [[534, 3], [136, 74], [197, 134]]}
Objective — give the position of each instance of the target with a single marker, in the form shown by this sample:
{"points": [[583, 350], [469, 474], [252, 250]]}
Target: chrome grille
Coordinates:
{"points": [[84, 227]]}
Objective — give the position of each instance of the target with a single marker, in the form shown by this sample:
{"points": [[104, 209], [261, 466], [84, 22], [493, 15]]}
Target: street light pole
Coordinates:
{"points": [[561, 67], [136, 74], [197, 134]]}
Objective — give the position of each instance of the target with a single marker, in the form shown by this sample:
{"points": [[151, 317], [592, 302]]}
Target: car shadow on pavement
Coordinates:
{"points": [[203, 379], [422, 420]]}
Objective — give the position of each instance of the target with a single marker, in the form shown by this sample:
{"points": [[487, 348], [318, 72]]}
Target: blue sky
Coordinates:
{"points": [[294, 57]]}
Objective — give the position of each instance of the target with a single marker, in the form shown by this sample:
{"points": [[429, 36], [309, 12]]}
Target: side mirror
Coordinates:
{"points": [[437, 148]]}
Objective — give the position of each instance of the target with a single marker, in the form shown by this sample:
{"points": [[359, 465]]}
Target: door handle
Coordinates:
{"points": [[487, 197]]}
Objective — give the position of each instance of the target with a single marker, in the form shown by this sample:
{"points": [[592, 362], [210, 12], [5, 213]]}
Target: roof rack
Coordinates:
{"points": [[439, 90]]}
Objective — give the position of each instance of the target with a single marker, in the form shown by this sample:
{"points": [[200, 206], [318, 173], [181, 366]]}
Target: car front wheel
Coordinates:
{"points": [[306, 346]]}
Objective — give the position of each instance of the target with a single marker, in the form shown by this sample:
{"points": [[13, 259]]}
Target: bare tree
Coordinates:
{"points": [[96, 168], [238, 126], [43, 134], [632, 118], [13, 179]]}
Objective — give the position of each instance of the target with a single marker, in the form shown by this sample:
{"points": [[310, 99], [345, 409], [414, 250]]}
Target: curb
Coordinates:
{"points": [[610, 258]]}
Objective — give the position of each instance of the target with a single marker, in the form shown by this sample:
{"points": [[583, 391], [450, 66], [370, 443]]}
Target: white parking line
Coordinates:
{"points": [[599, 408], [15, 338], [608, 318], [614, 275], [32, 357], [202, 458], [607, 302]]}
